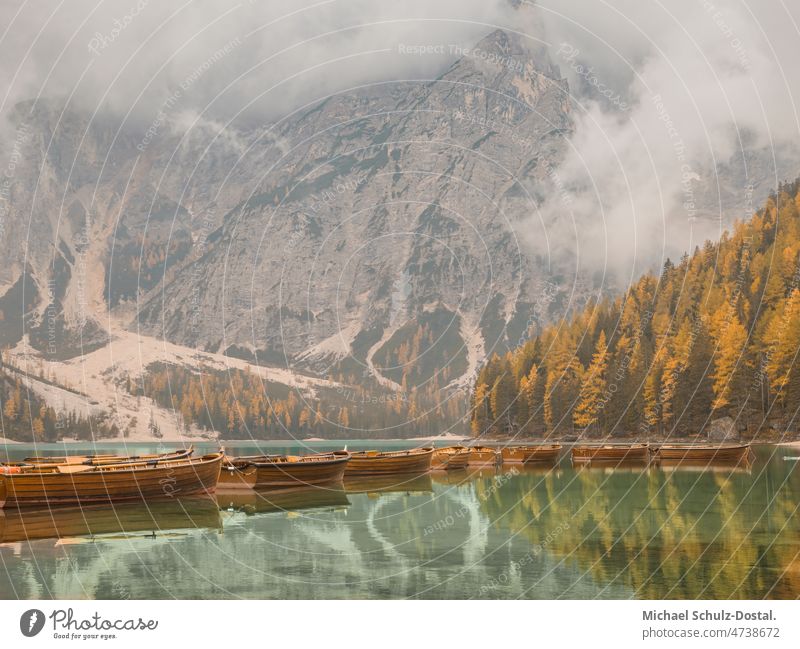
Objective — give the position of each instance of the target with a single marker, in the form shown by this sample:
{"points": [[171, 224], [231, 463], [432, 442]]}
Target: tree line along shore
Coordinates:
{"points": [[713, 337]]}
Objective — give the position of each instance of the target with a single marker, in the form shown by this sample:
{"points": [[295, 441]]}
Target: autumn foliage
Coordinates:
{"points": [[716, 334]]}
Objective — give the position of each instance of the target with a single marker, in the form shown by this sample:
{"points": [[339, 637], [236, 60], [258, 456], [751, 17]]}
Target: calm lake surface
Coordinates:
{"points": [[514, 532]]}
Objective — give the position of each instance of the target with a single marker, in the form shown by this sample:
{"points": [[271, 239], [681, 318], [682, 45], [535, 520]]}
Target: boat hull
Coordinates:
{"points": [[450, 459], [611, 453], [525, 454], [109, 459], [484, 456], [234, 475], [112, 483], [726, 453], [368, 463], [308, 472]]}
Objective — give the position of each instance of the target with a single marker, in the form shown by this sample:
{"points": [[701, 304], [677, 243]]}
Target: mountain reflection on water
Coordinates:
{"points": [[532, 532]]}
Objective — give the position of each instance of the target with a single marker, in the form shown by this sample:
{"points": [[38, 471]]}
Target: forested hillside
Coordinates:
{"points": [[24, 417], [242, 405], [715, 334]]}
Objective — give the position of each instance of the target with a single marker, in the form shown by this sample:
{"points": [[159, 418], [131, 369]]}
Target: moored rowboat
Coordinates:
{"points": [[484, 456], [55, 484], [536, 453], [236, 474], [105, 459], [512, 454], [703, 452], [296, 470], [450, 458], [367, 463], [610, 452]]}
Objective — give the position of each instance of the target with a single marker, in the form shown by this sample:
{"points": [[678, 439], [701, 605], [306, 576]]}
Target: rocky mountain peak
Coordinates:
{"points": [[370, 238]]}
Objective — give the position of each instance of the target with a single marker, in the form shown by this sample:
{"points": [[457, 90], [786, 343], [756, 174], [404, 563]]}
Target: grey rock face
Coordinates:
{"points": [[388, 204], [323, 242]]}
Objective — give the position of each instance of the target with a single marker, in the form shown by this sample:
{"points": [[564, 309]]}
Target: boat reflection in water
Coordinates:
{"points": [[499, 473], [281, 500], [375, 485], [715, 531], [531, 469], [107, 522], [684, 531], [700, 466], [611, 466], [668, 466], [458, 477]]}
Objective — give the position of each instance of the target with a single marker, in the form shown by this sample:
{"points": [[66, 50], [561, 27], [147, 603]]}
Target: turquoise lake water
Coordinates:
{"points": [[512, 532]]}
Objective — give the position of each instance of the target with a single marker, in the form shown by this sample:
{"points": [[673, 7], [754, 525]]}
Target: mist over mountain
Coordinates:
{"points": [[361, 193]]}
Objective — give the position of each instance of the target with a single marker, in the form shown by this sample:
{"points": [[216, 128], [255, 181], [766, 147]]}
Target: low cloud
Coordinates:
{"points": [[257, 59], [705, 88], [665, 94]]}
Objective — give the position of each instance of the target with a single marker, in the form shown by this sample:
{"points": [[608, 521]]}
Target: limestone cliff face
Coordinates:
{"points": [[385, 205], [328, 241]]}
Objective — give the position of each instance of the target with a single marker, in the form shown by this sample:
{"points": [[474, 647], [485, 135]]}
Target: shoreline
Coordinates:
{"points": [[291, 441], [224, 442]]}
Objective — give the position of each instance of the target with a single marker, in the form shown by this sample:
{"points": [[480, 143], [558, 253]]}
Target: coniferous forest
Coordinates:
{"points": [[25, 417], [715, 334], [240, 404]]}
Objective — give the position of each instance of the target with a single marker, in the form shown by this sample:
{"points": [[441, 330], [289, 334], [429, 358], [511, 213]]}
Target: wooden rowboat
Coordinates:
{"points": [[55, 484], [373, 463], [450, 458], [296, 470], [484, 456], [512, 454], [236, 474], [733, 453], [536, 453], [105, 459], [610, 452]]}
